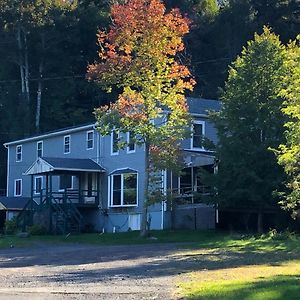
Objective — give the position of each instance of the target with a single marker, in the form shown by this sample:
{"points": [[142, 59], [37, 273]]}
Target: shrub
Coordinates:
{"points": [[10, 226], [37, 229]]}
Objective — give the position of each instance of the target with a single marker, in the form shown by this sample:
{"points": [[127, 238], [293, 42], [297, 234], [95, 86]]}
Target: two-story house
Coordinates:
{"points": [[76, 177]]}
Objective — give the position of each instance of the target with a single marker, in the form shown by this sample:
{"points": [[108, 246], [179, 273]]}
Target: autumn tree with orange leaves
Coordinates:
{"points": [[138, 56]]}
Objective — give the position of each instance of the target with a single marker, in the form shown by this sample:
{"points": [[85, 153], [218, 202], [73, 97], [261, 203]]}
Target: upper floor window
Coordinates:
{"points": [[90, 140], [38, 184], [19, 153], [114, 142], [123, 189], [39, 149], [18, 187], [67, 144], [130, 142], [198, 131]]}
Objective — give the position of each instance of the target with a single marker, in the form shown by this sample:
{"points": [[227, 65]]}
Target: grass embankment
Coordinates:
{"points": [[249, 268], [124, 238]]}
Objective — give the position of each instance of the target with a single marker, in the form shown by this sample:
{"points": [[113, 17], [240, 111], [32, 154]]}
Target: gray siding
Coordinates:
{"points": [[53, 146]]}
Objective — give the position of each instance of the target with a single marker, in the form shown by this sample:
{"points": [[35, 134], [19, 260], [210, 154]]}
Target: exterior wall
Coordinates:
{"points": [[109, 218]]}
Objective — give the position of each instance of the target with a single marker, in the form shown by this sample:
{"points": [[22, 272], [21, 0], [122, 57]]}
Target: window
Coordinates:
{"points": [[114, 142], [18, 187], [65, 182], [90, 140], [124, 189], [130, 142], [197, 134], [19, 153], [67, 144], [38, 184], [39, 149]]}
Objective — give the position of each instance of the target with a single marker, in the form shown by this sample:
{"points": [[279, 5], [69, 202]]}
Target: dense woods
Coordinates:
{"points": [[46, 46]]}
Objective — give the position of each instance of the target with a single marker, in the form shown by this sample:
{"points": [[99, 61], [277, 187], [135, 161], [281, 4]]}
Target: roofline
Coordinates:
{"points": [[50, 134], [79, 170]]}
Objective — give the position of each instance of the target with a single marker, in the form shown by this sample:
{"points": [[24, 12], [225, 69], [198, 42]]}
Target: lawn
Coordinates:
{"points": [[262, 268], [124, 238]]}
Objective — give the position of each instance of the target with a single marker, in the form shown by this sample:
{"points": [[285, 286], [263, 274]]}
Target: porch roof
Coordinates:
{"points": [[13, 203], [196, 158], [52, 164]]}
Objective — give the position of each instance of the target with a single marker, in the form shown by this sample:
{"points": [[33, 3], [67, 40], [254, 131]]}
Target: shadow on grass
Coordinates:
{"points": [[276, 287]]}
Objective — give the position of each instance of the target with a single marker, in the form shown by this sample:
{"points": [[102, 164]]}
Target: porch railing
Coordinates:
{"points": [[80, 197]]}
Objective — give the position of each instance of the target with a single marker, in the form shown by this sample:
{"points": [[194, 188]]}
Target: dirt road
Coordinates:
{"points": [[90, 272]]}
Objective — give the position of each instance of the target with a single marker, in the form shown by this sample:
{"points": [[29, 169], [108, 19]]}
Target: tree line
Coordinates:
{"points": [[46, 46]]}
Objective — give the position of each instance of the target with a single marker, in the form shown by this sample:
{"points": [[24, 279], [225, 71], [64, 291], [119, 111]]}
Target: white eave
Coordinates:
{"points": [[50, 134]]}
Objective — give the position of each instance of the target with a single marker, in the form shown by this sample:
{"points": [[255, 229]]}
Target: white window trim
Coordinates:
{"points": [[67, 136], [21, 147], [111, 182], [192, 134], [35, 178], [72, 184], [37, 151], [21, 188], [128, 140], [87, 140], [112, 143]]}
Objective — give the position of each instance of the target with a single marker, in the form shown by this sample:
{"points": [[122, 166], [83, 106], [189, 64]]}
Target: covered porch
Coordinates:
{"points": [[189, 185], [66, 181]]}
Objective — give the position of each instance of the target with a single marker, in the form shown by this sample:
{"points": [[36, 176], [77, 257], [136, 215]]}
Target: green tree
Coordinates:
{"points": [[249, 123], [289, 153], [138, 57]]}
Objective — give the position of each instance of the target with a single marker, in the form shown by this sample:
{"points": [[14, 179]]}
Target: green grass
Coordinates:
{"points": [[124, 238], [285, 287], [237, 267]]}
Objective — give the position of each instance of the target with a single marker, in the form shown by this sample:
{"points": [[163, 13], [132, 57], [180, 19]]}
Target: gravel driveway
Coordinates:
{"points": [[90, 272]]}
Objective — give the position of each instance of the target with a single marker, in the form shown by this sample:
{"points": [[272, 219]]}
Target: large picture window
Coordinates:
{"points": [[124, 189], [197, 134]]}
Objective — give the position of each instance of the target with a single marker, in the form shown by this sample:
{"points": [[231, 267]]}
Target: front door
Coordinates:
{"points": [[90, 187]]}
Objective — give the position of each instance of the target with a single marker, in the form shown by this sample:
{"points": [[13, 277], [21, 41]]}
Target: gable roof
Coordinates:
{"points": [[63, 131], [13, 203], [196, 106], [52, 164], [203, 106]]}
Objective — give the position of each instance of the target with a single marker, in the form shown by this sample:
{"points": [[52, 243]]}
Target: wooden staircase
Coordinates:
{"points": [[57, 215]]}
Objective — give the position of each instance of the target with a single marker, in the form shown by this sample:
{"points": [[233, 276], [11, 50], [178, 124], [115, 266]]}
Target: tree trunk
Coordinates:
{"points": [[143, 232], [40, 88], [260, 227], [24, 74], [21, 63], [27, 91]]}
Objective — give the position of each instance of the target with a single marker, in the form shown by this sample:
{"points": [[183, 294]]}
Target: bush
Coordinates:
{"points": [[10, 226], [285, 235], [37, 229]]}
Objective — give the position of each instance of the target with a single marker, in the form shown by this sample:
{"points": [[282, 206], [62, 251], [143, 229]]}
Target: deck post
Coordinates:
{"points": [[98, 189], [80, 188]]}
